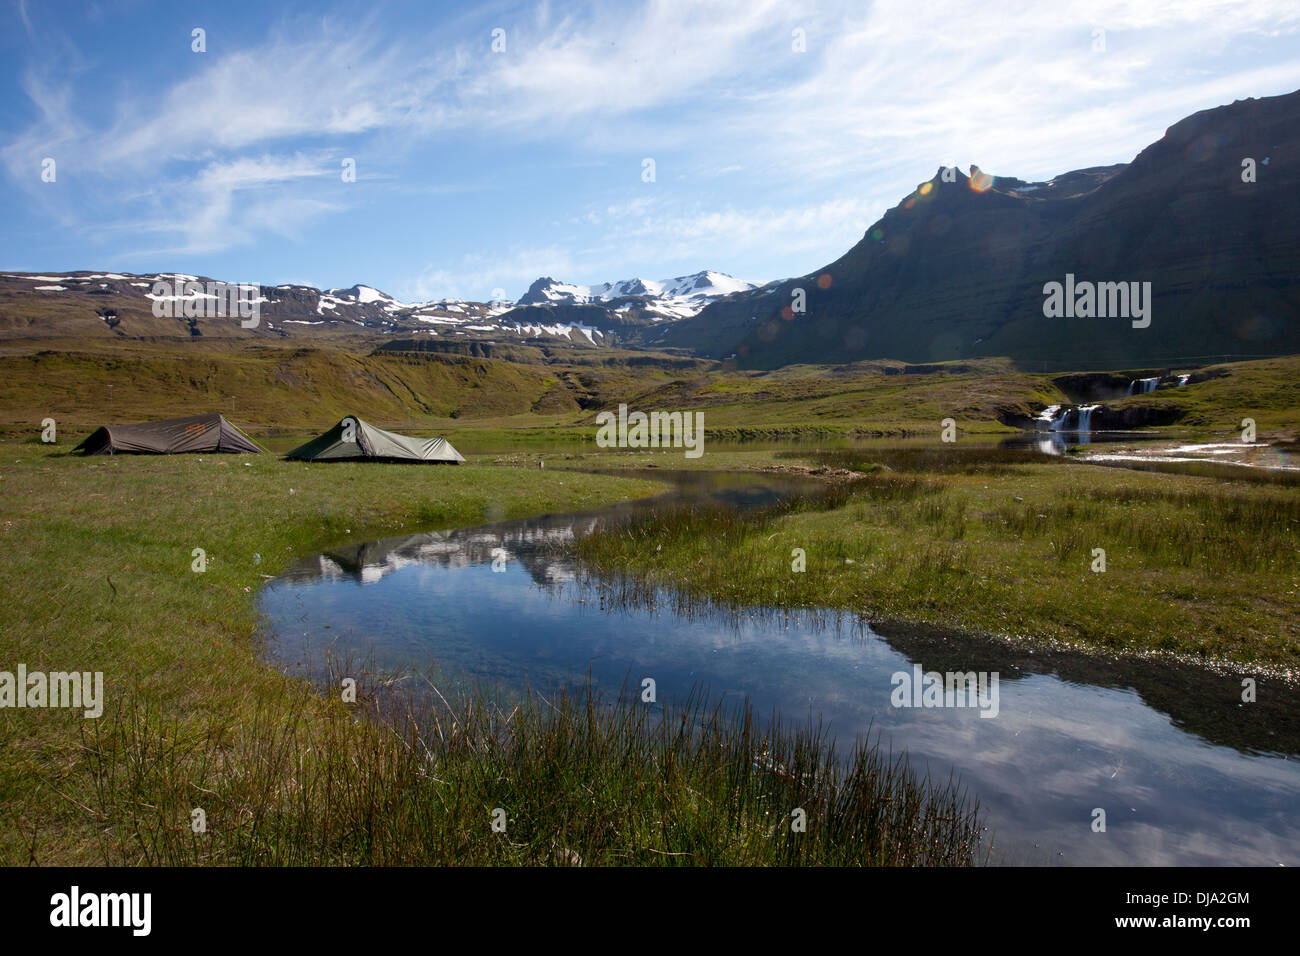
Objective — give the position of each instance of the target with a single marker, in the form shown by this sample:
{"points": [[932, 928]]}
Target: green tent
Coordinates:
{"points": [[352, 440]]}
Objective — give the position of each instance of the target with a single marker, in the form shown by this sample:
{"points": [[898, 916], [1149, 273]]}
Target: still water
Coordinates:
{"points": [[1186, 773]]}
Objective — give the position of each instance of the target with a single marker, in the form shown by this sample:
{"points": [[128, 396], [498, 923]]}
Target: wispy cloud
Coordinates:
{"points": [[485, 276], [648, 231]]}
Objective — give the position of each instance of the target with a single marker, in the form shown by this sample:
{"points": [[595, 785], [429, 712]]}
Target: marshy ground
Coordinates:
{"points": [[992, 540], [96, 575]]}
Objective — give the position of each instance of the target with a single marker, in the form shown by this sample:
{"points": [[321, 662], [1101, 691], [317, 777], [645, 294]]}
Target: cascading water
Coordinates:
{"points": [[1140, 386], [1085, 423], [1052, 420], [1182, 380], [1053, 416], [1150, 384]]}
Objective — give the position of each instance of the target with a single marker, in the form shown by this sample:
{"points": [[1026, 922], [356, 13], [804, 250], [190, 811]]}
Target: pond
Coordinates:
{"points": [[1186, 773]]}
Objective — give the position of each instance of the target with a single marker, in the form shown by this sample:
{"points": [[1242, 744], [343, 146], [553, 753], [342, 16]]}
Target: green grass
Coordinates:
{"points": [[96, 566], [980, 539], [96, 572], [96, 575], [271, 390], [571, 779], [1267, 390]]}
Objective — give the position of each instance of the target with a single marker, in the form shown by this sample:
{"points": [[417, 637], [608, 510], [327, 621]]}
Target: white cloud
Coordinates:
{"points": [[1017, 91], [716, 236], [229, 204], [637, 237], [884, 94], [476, 276]]}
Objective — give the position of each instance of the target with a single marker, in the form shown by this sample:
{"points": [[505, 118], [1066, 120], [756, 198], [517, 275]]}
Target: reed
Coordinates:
{"points": [[577, 779]]}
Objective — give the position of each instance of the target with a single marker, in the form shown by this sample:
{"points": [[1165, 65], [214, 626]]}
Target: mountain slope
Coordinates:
{"points": [[665, 299], [119, 305], [957, 269]]}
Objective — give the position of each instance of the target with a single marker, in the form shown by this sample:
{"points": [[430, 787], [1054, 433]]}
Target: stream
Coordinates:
{"points": [[1186, 773]]}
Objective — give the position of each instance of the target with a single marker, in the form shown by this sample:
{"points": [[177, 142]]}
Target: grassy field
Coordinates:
{"points": [[977, 538], [98, 575], [272, 391], [269, 391], [1267, 390]]}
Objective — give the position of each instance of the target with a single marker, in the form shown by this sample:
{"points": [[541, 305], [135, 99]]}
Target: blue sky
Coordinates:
{"points": [[479, 170]]}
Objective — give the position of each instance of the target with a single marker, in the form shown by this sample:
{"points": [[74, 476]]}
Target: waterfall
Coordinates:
{"points": [[1049, 422], [1053, 420], [1085, 422], [1182, 380], [1140, 386]]}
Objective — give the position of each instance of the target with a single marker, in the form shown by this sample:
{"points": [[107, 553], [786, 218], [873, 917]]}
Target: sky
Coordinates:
{"points": [[448, 150]]}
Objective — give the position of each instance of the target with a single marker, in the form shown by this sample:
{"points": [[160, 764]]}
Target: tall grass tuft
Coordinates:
{"points": [[580, 780]]}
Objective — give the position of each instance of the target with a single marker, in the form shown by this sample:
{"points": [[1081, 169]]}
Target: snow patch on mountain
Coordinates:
{"points": [[619, 313], [676, 298], [562, 331], [366, 295]]}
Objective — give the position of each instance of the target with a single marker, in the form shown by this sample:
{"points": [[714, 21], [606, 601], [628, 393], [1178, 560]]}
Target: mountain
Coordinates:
{"points": [[631, 313], [90, 305], [122, 305], [665, 299], [958, 268]]}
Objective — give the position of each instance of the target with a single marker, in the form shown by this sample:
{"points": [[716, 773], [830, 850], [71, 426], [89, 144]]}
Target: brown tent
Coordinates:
{"points": [[210, 433]]}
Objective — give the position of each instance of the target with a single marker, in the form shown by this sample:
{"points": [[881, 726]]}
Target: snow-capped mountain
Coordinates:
{"points": [[676, 298], [124, 306], [359, 295]]}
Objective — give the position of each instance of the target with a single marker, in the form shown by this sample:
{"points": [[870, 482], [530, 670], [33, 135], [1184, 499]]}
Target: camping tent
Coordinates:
{"points": [[174, 435], [352, 439]]}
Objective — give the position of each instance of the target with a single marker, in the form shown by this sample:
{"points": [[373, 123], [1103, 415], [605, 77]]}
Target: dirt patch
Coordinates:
{"points": [[824, 472]]}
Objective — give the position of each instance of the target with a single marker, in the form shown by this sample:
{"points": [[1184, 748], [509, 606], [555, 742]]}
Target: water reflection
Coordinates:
{"points": [[1057, 441], [1186, 772]]}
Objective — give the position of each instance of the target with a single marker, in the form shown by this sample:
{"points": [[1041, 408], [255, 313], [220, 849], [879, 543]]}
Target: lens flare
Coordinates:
{"points": [[980, 181]]}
